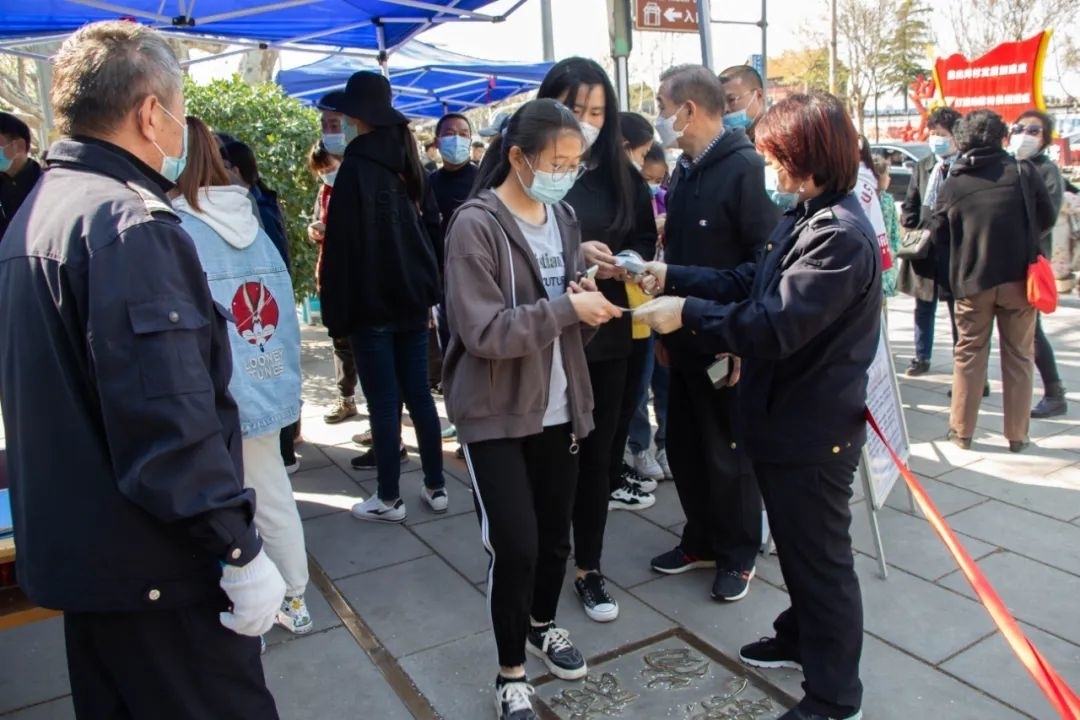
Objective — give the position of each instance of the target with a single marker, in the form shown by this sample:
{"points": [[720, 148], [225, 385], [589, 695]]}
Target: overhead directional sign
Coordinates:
{"points": [[666, 15]]}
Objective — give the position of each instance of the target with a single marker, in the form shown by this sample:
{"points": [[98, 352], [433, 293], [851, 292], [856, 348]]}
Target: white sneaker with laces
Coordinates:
{"points": [[631, 477], [629, 497], [375, 510], [436, 499], [646, 466], [293, 615], [513, 699], [661, 460]]}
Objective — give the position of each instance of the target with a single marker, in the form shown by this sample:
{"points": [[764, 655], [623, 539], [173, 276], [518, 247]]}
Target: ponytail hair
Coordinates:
{"points": [[532, 128]]}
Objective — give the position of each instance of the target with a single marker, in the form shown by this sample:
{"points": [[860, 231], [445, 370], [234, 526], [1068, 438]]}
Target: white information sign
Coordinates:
{"points": [[883, 400]]}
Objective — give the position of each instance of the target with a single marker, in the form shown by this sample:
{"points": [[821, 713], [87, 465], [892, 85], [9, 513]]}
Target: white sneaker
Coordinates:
{"points": [[661, 460], [628, 455], [513, 699], [293, 615], [292, 468], [630, 498], [631, 477], [646, 466], [437, 499], [376, 510]]}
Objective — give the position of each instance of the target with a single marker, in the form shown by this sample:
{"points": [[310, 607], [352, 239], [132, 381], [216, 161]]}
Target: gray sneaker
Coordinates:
{"points": [[552, 645]]}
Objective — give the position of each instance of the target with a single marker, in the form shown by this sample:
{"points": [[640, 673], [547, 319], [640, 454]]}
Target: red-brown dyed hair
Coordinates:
{"points": [[204, 167], [812, 136]]}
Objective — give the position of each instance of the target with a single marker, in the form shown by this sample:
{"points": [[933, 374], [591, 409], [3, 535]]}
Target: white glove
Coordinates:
{"points": [[663, 314], [256, 591]]}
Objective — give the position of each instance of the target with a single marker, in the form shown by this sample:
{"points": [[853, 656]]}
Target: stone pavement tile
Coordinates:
{"points": [[341, 455], [322, 618], [993, 420], [416, 605], [899, 687], [456, 539], [937, 457], [992, 667], [917, 616], [1067, 440], [1056, 493], [337, 434], [1039, 595], [630, 541], [1052, 542], [636, 621], [343, 545], [34, 664], [924, 400], [947, 498], [61, 709], [667, 511], [767, 568], [924, 426], [329, 676], [458, 677], [311, 456], [726, 626], [910, 543], [324, 490], [461, 498]]}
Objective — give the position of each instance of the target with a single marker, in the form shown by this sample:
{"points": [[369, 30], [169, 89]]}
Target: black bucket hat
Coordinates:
{"points": [[331, 101], [367, 97]]}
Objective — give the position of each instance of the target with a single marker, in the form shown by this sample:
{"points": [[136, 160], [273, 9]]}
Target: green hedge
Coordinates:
{"points": [[281, 131]]}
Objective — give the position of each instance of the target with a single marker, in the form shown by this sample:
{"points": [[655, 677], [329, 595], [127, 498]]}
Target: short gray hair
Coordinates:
{"points": [[697, 83], [105, 70]]}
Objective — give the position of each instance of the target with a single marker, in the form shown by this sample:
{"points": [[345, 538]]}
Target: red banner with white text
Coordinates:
{"points": [[1007, 79]]}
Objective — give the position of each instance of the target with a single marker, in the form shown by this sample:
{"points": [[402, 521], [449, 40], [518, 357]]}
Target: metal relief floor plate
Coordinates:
{"points": [[674, 676]]}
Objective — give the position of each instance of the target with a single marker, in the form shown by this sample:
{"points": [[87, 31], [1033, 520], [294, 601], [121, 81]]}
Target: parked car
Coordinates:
{"points": [[902, 157]]}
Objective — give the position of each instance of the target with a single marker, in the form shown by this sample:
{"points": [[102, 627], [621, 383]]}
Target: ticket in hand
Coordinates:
{"points": [[631, 262]]}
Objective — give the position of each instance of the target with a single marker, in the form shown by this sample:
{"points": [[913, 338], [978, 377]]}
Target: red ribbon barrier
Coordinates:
{"points": [[1056, 690]]}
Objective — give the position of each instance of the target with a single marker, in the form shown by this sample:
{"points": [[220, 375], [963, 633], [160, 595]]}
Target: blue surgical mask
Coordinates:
{"points": [[349, 132], [5, 161], [334, 143], [329, 178], [171, 167], [455, 149], [784, 200], [737, 119], [654, 189], [940, 146], [547, 187]]}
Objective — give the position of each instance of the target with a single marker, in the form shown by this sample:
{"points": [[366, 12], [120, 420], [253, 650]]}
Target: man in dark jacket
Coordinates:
{"points": [[718, 216], [18, 173], [134, 520]]}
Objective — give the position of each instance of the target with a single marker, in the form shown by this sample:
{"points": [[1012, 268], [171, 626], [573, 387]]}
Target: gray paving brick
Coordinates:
{"points": [[461, 498], [910, 543], [918, 616], [1053, 542], [343, 545], [1055, 494], [630, 541], [458, 677], [992, 667], [324, 490], [1066, 440], [311, 456], [416, 605], [925, 400], [60, 709], [457, 540], [937, 457], [948, 498], [1035, 593], [340, 455], [329, 676], [322, 618], [34, 664], [667, 511]]}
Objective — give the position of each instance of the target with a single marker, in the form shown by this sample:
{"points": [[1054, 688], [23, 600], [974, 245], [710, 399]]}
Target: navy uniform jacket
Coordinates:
{"points": [[805, 320], [123, 442]]}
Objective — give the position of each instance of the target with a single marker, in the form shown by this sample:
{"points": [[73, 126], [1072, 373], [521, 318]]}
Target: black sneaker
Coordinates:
{"points": [[598, 603], [552, 645], [367, 460], [770, 653], [1053, 404], [732, 585], [797, 714], [1019, 446], [512, 698], [917, 367], [677, 561]]}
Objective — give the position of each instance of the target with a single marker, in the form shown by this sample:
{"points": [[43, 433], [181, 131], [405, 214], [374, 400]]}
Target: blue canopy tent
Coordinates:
{"points": [[380, 25], [427, 82]]}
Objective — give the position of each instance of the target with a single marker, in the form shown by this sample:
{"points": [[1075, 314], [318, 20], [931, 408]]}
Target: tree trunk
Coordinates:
{"points": [[257, 66]]}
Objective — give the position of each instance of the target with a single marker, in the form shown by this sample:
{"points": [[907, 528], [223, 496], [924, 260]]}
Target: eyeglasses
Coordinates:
{"points": [[558, 172], [1033, 130]]}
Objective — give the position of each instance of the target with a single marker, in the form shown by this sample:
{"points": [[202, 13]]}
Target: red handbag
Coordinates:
{"points": [[1042, 286], [1042, 291]]}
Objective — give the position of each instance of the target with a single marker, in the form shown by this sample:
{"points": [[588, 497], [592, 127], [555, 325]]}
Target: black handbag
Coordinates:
{"points": [[914, 245]]}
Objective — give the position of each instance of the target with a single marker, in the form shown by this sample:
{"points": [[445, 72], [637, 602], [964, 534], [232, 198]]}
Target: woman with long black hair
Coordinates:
{"points": [[614, 210], [379, 279], [516, 380]]}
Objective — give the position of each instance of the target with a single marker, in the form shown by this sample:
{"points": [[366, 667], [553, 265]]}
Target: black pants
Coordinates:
{"points": [[1044, 357], [714, 478], [524, 489], [287, 442], [608, 378], [631, 395], [810, 521], [344, 367], [164, 665]]}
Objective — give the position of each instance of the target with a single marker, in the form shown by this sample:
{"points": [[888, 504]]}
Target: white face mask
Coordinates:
{"points": [[665, 126], [591, 133], [1024, 146]]}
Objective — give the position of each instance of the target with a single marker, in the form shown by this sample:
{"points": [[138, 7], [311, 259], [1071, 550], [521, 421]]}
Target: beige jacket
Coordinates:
{"points": [[503, 327]]}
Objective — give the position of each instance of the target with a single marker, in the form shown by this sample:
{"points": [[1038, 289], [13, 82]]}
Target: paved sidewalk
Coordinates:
{"points": [[412, 596]]}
